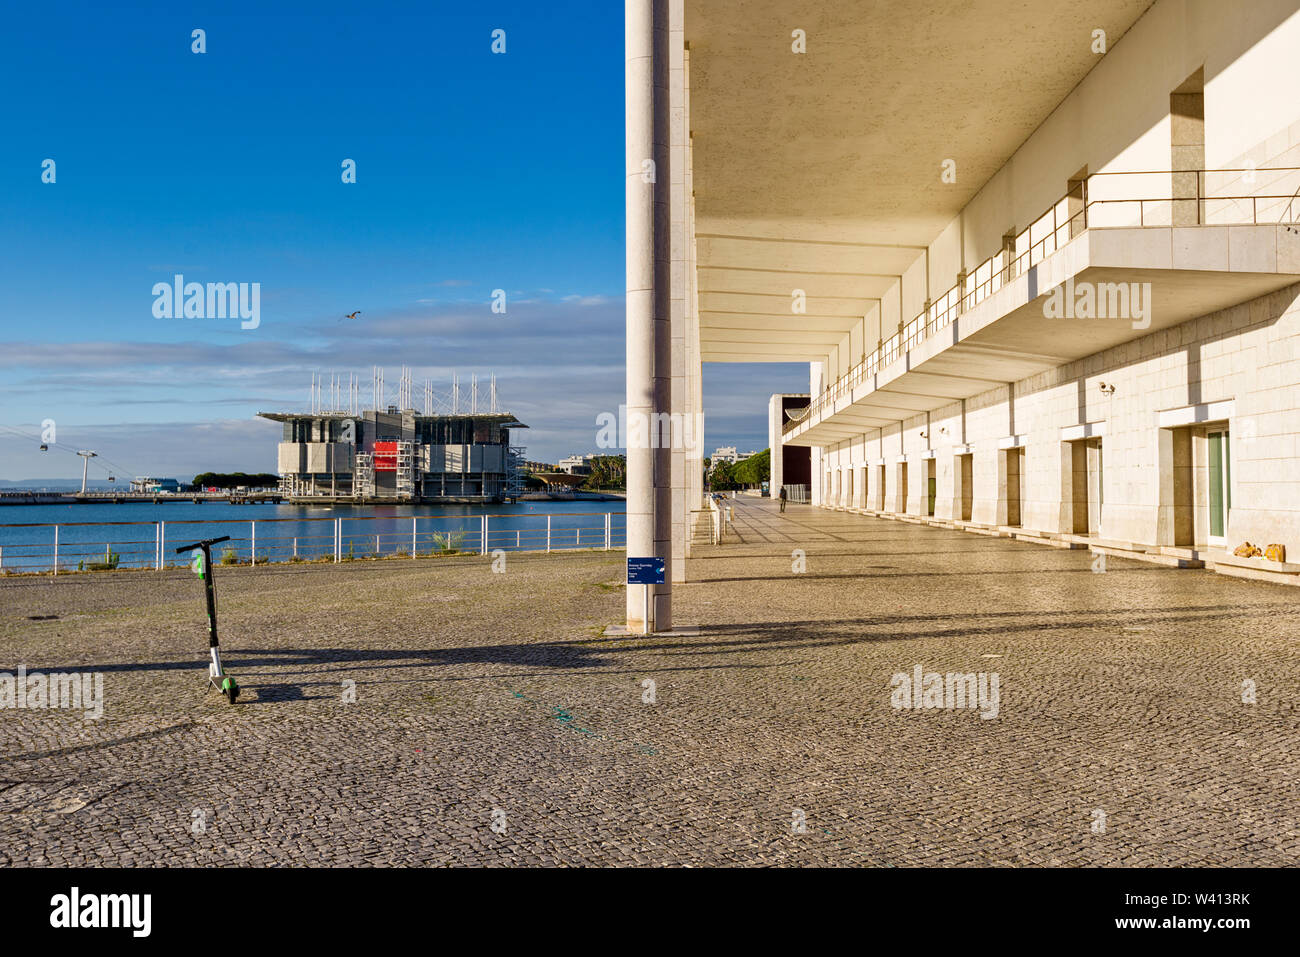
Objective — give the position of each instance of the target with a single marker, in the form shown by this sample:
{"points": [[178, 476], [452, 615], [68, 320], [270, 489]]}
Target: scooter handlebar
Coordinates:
{"points": [[206, 541]]}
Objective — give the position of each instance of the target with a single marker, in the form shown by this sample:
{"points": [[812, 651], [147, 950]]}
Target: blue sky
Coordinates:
{"points": [[474, 172]]}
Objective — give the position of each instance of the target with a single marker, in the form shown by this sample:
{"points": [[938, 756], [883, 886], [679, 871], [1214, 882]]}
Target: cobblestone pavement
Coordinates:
{"points": [[487, 698]]}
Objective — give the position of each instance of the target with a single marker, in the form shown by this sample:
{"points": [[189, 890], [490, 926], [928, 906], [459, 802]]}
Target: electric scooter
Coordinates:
{"points": [[202, 565]]}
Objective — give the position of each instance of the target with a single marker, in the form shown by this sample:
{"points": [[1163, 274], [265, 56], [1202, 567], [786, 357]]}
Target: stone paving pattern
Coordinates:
{"points": [[479, 691]]}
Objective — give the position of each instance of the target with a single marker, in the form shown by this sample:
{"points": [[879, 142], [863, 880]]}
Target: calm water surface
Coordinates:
{"points": [[132, 530]]}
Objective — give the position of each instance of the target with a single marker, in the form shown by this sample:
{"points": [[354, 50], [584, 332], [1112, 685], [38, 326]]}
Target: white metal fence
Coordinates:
{"points": [[720, 516], [94, 546], [796, 493]]}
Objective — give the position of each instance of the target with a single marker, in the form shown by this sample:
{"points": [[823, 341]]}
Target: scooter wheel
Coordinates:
{"points": [[231, 689]]}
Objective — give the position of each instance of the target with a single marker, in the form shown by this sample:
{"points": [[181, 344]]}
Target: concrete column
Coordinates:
{"points": [[649, 345], [680, 306], [775, 427], [694, 368], [816, 490]]}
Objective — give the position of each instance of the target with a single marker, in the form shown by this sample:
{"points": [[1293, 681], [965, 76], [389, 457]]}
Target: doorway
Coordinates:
{"points": [[966, 469], [931, 487], [1086, 486], [1015, 467], [1219, 485], [902, 488], [1178, 486], [880, 488]]}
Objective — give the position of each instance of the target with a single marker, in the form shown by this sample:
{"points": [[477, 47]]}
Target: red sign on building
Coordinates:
{"points": [[385, 456]]}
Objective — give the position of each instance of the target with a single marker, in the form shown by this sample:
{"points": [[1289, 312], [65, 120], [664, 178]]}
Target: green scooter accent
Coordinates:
{"points": [[202, 565]]}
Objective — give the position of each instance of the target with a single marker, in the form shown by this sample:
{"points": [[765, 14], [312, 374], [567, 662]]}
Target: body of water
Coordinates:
{"points": [[140, 534]]}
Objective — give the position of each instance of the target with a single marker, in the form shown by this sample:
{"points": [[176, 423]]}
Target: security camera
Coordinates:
{"points": [[1106, 389]]}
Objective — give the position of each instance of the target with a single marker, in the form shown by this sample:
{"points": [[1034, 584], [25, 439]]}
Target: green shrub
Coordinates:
{"points": [[448, 542], [110, 562]]}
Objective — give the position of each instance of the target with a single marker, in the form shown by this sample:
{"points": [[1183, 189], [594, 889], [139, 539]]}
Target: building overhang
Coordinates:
{"points": [[820, 172], [1010, 335]]}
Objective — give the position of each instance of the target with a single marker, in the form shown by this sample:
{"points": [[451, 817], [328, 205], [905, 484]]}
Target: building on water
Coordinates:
{"points": [[145, 484], [399, 454]]}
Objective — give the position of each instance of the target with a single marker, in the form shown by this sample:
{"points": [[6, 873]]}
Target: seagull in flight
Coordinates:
{"points": [[351, 315]]}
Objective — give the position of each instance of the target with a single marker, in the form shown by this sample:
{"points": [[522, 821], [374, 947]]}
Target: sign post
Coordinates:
{"points": [[645, 572]]}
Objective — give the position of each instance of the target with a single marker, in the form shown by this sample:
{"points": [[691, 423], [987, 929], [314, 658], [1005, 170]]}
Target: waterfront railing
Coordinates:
{"points": [[27, 548]]}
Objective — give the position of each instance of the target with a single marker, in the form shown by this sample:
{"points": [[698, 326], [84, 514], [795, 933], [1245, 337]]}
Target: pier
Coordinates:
{"points": [[120, 498]]}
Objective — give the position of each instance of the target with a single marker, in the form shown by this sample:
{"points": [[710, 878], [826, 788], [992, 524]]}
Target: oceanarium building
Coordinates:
{"points": [[1042, 260], [398, 455]]}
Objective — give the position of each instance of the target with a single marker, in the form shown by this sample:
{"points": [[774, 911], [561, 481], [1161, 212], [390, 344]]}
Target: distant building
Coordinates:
{"points": [[147, 484], [791, 465], [725, 454], [575, 464], [399, 456]]}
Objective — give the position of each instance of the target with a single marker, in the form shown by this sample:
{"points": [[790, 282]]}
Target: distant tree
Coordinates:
{"points": [[722, 478], [755, 470], [607, 472]]}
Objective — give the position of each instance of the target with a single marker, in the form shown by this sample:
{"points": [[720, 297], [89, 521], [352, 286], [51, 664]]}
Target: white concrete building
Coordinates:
{"points": [[575, 464], [1043, 261], [789, 465]]}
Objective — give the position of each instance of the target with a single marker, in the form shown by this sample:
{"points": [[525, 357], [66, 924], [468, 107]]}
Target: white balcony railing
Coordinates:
{"points": [[1102, 201]]}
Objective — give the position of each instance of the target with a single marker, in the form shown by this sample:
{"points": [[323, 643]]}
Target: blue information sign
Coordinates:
{"points": [[645, 571]]}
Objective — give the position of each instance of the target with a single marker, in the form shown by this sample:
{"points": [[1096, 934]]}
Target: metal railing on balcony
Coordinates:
{"points": [[1102, 201], [1292, 214]]}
